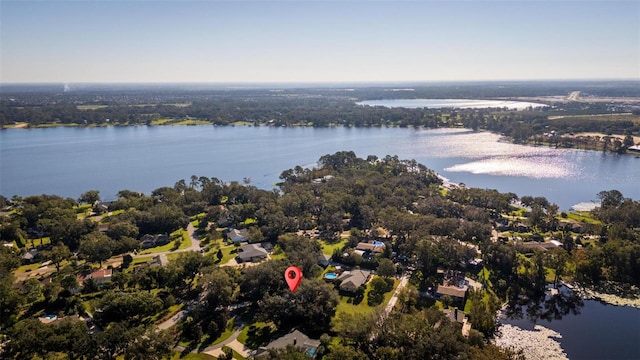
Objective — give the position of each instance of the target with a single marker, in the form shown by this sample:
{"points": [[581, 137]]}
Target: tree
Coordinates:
{"points": [[355, 328], [611, 198], [556, 259], [219, 288], [58, 254], [32, 289], [130, 306], [89, 197], [152, 345], [96, 247], [386, 268], [219, 255], [311, 307]]}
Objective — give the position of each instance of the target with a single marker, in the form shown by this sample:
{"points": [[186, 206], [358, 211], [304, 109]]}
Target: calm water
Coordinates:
{"points": [[69, 161], [451, 103], [598, 331]]}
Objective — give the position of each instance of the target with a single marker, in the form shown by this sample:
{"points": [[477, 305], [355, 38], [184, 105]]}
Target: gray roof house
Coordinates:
{"points": [[352, 280], [295, 338], [251, 252], [236, 235]]}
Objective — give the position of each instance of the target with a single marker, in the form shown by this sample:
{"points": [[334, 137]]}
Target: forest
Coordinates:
{"points": [[426, 229]]}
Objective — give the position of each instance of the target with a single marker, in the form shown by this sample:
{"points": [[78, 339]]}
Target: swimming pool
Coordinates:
{"points": [[330, 276]]}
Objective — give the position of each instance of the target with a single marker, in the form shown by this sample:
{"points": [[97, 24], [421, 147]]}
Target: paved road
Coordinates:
{"points": [[394, 298]]}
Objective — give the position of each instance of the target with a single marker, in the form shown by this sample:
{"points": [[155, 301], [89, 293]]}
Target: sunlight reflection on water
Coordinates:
{"points": [[494, 156]]}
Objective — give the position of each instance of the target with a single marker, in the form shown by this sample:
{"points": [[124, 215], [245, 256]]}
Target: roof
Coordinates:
{"points": [[454, 315], [454, 291], [295, 338], [353, 279], [238, 235], [376, 246], [252, 251], [101, 274]]}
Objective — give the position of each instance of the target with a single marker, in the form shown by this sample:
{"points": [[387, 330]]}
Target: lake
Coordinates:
{"points": [[589, 329], [451, 103], [70, 161]]}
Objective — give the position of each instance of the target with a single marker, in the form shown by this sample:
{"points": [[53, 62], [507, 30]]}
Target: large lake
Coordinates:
{"points": [[69, 161], [451, 103]]}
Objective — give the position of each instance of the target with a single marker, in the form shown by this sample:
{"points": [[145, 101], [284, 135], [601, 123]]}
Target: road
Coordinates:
{"points": [[394, 298]]}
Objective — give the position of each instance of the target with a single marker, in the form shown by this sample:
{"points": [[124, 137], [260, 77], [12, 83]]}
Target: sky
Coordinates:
{"points": [[317, 41]]}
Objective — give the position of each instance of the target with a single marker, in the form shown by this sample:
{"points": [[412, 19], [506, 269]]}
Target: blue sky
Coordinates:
{"points": [[310, 41]]}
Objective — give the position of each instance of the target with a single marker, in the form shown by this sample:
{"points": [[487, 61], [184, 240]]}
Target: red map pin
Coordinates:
{"points": [[293, 275]]}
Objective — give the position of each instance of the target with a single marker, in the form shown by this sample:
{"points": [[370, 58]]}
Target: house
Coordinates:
{"points": [[295, 338], [352, 280], [159, 260], [101, 276], [238, 236], [375, 247], [251, 252], [454, 315], [459, 316], [324, 260], [455, 286], [148, 241], [30, 256], [267, 246], [521, 227], [531, 246]]}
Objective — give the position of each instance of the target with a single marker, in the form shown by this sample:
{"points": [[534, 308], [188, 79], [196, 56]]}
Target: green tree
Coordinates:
{"points": [[89, 197], [386, 268], [556, 259], [96, 247], [57, 255], [152, 345], [310, 307], [32, 289]]}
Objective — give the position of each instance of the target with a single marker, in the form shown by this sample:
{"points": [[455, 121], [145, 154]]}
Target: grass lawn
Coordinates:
{"points": [[257, 334], [29, 267], [226, 253], [362, 307], [231, 327], [582, 216], [38, 241], [192, 356], [328, 249]]}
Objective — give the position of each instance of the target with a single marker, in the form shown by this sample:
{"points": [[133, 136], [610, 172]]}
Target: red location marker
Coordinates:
{"points": [[293, 275]]}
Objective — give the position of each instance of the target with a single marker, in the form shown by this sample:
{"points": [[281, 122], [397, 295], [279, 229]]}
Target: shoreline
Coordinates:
{"points": [[611, 299]]}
